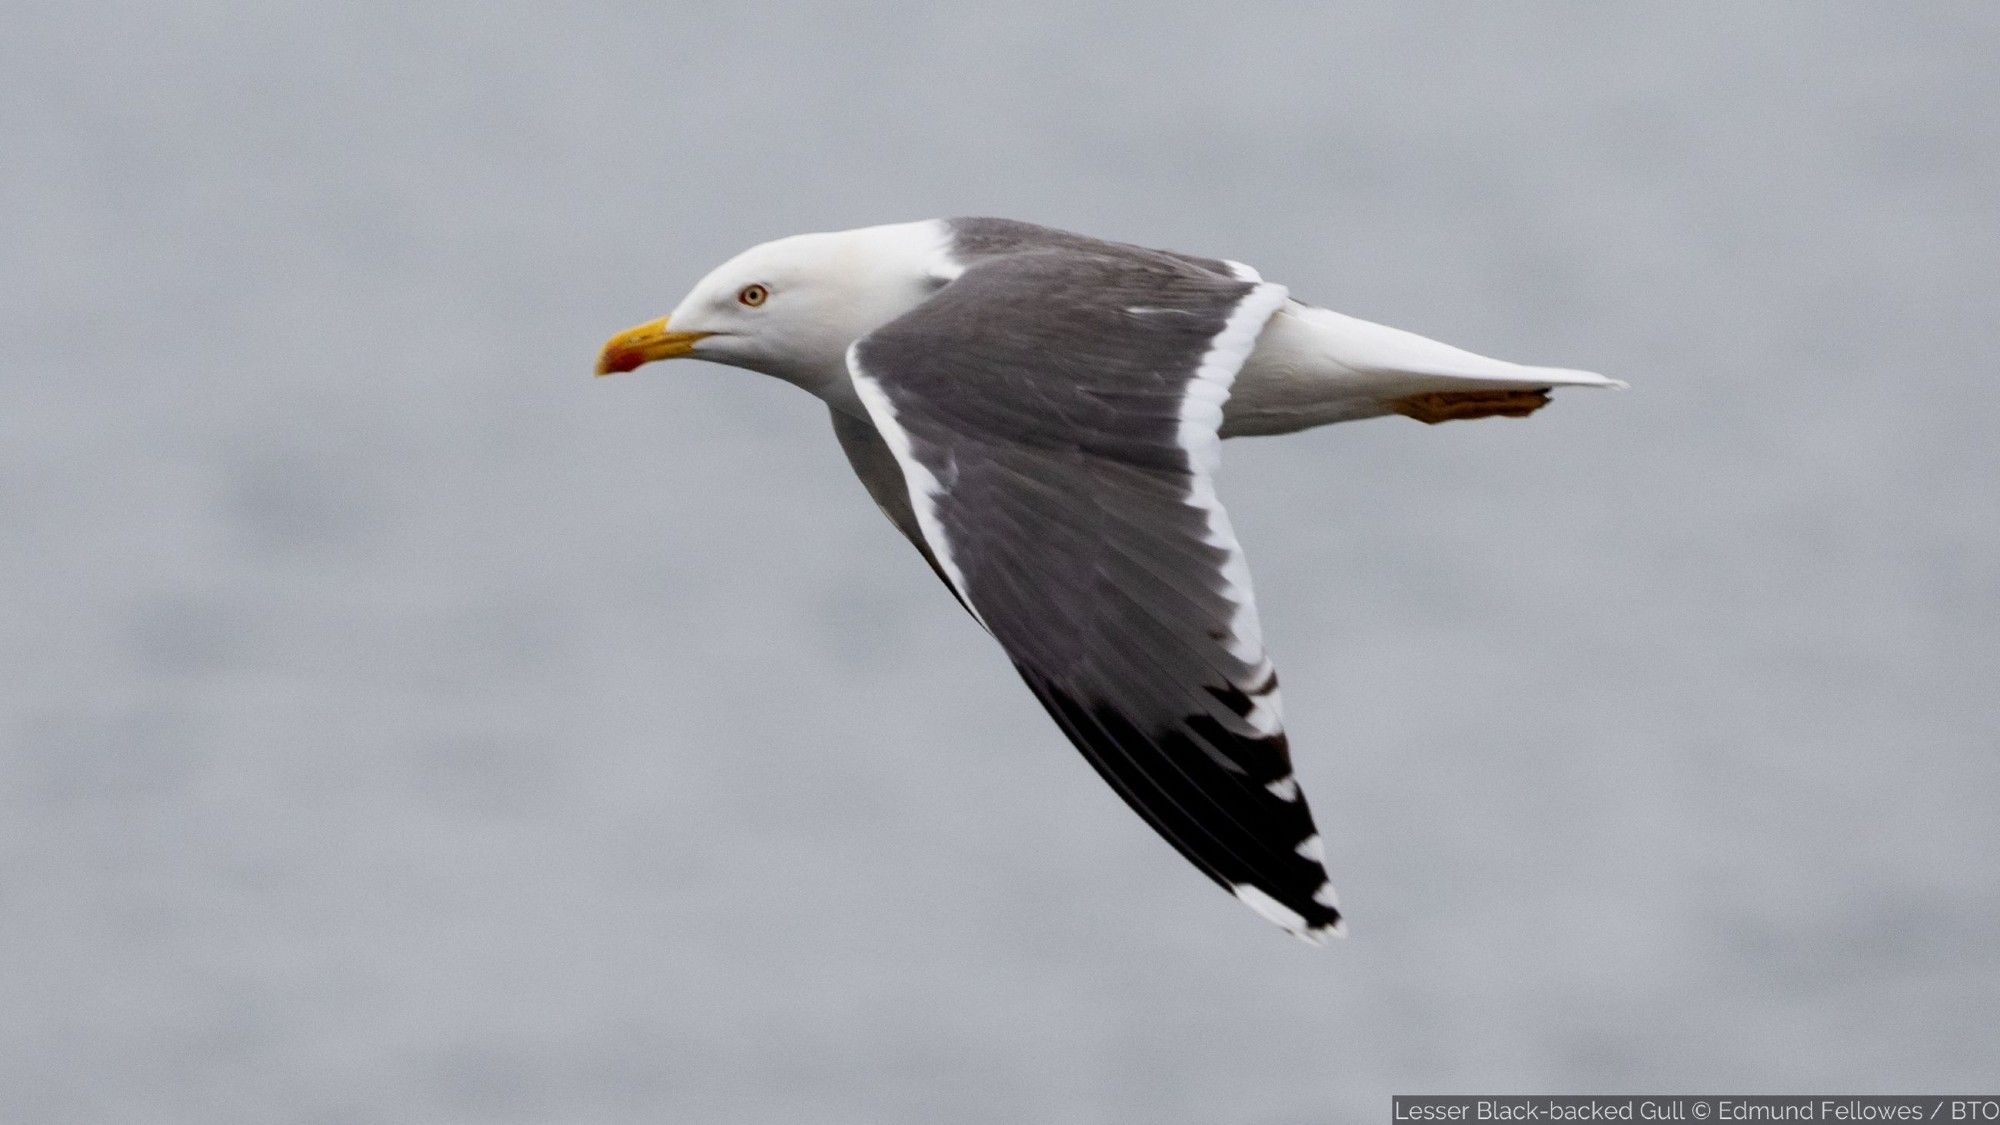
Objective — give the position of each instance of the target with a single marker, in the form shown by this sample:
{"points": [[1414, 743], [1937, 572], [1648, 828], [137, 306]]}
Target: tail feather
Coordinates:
{"points": [[1408, 364]]}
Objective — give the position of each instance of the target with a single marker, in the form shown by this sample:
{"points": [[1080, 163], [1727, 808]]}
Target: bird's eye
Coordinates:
{"points": [[753, 295]]}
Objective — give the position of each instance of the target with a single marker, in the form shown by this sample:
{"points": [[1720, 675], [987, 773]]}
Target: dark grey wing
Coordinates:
{"points": [[1055, 416], [870, 458], [976, 238]]}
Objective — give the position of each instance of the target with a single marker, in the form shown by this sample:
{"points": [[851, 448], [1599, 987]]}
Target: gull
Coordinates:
{"points": [[1040, 413]]}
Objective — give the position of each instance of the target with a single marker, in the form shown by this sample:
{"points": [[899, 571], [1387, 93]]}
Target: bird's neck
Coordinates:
{"points": [[825, 378]]}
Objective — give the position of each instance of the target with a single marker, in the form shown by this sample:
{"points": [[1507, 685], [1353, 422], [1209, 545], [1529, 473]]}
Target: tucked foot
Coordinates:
{"points": [[1453, 406]]}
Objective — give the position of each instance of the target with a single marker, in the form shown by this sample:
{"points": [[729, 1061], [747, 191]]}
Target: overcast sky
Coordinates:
{"points": [[401, 726]]}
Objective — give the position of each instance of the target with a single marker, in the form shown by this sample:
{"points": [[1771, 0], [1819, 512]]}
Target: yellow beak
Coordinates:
{"points": [[638, 346]]}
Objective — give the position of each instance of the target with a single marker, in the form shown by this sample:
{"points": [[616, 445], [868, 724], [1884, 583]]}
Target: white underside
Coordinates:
{"points": [[1314, 366]]}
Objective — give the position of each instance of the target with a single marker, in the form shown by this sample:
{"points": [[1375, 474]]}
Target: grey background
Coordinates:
{"points": [[401, 726]]}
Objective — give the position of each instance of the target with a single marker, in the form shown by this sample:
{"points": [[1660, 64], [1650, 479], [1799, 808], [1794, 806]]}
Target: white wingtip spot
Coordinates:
{"points": [[1264, 717], [1291, 920], [1285, 788], [1312, 849], [1325, 896], [1270, 908]]}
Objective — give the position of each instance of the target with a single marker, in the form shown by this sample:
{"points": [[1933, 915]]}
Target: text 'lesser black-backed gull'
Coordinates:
{"points": [[1041, 414]]}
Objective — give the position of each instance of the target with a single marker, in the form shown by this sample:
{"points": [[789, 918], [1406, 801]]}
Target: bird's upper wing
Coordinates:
{"points": [[1055, 415]]}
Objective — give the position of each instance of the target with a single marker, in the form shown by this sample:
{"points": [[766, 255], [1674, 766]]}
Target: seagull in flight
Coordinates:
{"points": [[1040, 413]]}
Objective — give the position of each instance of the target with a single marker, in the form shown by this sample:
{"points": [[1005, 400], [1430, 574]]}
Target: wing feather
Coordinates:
{"points": [[1057, 451]]}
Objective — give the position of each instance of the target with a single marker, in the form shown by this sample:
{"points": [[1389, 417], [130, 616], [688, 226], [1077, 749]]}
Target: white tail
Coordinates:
{"points": [[1414, 364], [1314, 366]]}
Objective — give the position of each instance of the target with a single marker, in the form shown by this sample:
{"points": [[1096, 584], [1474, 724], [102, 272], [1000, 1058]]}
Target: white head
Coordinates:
{"points": [[791, 308]]}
